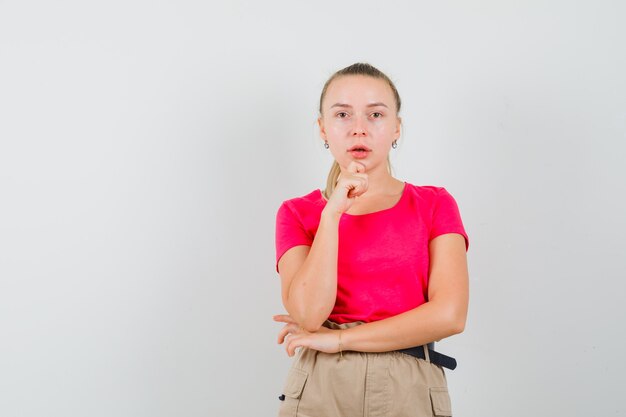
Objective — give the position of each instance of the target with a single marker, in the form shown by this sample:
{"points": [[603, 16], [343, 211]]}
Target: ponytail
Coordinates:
{"points": [[333, 176]]}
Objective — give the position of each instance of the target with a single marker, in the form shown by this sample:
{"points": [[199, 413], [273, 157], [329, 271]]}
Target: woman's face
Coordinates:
{"points": [[359, 120]]}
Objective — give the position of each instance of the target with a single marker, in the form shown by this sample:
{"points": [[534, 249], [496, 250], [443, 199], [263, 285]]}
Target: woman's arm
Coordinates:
{"points": [[309, 275], [442, 316]]}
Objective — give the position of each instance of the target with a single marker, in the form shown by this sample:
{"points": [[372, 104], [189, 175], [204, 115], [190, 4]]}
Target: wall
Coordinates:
{"points": [[145, 147]]}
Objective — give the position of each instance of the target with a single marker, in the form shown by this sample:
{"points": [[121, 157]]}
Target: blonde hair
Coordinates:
{"points": [[358, 68]]}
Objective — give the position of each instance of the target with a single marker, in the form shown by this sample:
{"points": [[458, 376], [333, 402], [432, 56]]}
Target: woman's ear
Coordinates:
{"points": [[320, 123], [398, 128]]}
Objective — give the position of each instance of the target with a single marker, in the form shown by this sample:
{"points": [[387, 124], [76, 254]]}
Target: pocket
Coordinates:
{"points": [[296, 379], [440, 400]]}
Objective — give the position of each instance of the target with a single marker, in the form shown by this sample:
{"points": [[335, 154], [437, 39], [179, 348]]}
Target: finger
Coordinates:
{"points": [[294, 343], [291, 329], [358, 187], [355, 182], [360, 175], [285, 318], [351, 168], [356, 167], [281, 335], [289, 341], [287, 329]]}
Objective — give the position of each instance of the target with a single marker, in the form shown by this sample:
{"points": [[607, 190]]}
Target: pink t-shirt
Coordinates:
{"points": [[383, 260]]}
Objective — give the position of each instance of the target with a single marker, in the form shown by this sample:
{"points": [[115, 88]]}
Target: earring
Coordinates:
{"points": [[394, 144], [326, 145]]}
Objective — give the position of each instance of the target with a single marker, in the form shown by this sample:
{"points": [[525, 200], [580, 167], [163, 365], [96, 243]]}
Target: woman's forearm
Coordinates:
{"points": [[429, 322], [313, 290]]}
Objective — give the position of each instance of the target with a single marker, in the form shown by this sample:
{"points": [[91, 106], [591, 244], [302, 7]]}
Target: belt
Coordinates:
{"points": [[435, 357]]}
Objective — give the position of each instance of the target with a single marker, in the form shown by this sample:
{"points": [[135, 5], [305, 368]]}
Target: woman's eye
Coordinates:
{"points": [[342, 114], [376, 115]]}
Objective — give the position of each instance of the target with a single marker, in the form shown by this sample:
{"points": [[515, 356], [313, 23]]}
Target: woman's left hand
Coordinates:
{"points": [[324, 339]]}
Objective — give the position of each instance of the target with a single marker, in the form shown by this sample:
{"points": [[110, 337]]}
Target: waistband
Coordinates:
{"points": [[429, 354]]}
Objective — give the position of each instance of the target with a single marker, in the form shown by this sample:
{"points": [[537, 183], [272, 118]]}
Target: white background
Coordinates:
{"points": [[146, 146]]}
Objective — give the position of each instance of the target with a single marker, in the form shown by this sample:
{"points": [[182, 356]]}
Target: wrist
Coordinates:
{"points": [[346, 335], [330, 215]]}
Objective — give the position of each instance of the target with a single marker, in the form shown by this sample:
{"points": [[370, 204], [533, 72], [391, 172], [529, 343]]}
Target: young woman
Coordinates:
{"points": [[373, 269]]}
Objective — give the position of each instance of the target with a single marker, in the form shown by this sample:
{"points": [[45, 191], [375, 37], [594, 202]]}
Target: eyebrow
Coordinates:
{"points": [[377, 104]]}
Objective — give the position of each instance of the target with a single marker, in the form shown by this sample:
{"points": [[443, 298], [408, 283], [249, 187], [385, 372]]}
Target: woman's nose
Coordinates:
{"points": [[358, 129]]}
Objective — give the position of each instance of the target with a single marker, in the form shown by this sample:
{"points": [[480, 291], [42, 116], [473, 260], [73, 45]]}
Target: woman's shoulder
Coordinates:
{"points": [[428, 192], [306, 201]]}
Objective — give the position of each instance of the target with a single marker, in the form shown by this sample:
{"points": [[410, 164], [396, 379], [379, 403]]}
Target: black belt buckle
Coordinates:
{"points": [[435, 357]]}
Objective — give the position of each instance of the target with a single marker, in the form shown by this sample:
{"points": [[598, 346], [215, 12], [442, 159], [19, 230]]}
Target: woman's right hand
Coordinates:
{"points": [[351, 184]]}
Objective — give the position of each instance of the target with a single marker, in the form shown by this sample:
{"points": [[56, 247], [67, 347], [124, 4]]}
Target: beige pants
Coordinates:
{"points": [[361, 384]]}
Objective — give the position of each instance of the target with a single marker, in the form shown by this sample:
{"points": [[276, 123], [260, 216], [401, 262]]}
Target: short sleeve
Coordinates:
{"points": [[290, 231], [446, 217]]}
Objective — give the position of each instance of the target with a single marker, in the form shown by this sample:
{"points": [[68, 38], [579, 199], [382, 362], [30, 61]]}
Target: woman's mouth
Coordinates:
{"points": [[359, 151]]}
